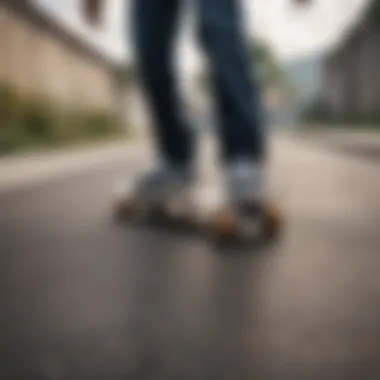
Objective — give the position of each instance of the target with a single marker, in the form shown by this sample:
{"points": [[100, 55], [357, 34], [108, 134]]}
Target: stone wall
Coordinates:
{"points": [[35, 61]]}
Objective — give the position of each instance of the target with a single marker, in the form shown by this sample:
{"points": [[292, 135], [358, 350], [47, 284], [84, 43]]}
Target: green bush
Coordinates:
{"points": [[100, 124], [37, 121], [32, 122]]}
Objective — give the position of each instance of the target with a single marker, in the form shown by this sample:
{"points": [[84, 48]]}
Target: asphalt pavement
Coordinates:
{"points": [[83, 298]]}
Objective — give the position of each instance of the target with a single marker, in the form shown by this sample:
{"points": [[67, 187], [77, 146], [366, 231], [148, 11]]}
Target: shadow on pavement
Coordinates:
{"points": [[177, 230], [363, 152]]}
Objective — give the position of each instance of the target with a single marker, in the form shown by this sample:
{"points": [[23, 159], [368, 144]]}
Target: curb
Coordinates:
{"points": [[26, 170]]}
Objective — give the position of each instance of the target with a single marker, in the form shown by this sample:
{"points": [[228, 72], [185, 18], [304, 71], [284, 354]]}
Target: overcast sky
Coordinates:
{"points": [[291, 32]]}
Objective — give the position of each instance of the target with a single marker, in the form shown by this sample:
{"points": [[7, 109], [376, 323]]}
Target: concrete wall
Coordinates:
{"points": [[36, 62], [369, 75], [352, 86]]}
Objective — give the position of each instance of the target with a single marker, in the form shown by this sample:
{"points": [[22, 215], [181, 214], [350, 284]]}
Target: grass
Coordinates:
{"points": [[32, 123]]}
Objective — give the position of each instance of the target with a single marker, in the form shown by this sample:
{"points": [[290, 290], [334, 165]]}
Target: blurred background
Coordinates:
{"points": [[84, 298], [67, 67]]}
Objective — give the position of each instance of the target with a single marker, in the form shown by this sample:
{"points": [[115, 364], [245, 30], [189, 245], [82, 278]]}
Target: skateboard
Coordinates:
{"points": [[205, 212]]}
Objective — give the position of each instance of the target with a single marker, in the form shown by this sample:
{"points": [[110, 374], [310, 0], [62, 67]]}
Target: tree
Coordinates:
{"points": [[264, 65], [302, 2], [93, 11]]}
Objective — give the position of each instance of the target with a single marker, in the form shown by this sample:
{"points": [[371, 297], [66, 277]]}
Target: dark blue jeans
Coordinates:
{"points": [[239, 113]]}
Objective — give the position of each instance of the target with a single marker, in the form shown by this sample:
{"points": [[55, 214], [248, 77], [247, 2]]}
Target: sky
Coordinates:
{"points": [[291, 32]]}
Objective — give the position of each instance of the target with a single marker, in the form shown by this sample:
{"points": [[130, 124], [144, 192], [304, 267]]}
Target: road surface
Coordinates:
{"points": [[83, 298]]}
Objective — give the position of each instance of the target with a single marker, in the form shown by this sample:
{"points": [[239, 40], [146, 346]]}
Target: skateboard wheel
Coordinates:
{"points": [[122, 209], [274, 220], [224, 225]]}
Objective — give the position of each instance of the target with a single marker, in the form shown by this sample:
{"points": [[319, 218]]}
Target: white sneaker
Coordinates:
{"points": [[163, 184], [245, 182]]}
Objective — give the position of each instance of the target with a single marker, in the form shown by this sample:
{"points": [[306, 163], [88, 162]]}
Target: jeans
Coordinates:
{"points": [[236, 93]]}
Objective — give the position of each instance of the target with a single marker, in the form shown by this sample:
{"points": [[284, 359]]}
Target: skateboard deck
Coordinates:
{"points": [[206, 212]]}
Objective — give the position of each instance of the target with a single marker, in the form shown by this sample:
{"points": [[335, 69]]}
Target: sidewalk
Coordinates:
{"points": [[341, 136], [25, 170]]}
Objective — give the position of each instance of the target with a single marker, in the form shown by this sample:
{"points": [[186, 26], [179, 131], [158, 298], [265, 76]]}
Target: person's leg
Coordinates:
{"points": [[237, 95], [238, 99], [155, 26]]}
